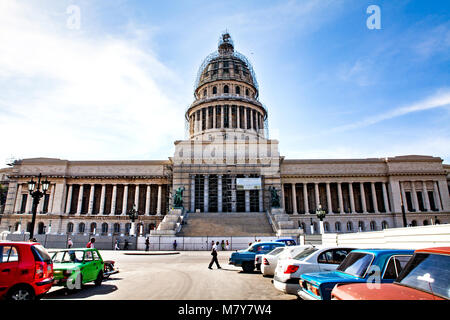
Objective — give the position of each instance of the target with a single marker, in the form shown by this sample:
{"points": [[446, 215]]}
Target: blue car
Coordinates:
{"points": [[368, 265], [246, 258], [287, 241]]}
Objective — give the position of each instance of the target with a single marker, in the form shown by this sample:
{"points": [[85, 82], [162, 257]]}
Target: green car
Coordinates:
{"points": [[73, 268]]}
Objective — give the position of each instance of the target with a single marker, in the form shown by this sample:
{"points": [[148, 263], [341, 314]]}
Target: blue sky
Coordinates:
{"points": [[117, 86]]}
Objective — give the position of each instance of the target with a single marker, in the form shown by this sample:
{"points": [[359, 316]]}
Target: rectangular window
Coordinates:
{"points": [[46, 201], [23, 205], [8, 254]]}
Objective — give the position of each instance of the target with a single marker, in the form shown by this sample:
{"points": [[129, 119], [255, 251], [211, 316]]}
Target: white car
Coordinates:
{"points": [[270, 260], [313, 259]]}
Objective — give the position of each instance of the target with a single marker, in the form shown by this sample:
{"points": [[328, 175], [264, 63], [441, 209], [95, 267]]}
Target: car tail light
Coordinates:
{"points": [[315, 290], [291, 269], [266, 263], [39, 270]]}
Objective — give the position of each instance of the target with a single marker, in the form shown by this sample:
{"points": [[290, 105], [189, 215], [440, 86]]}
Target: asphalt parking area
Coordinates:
{"points": [[183, 276]]}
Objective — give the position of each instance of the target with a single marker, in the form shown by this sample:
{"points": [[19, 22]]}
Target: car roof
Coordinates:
{"points": [[29, 243], [283, 239], [381, 251], [437, 250], [266, 242]]}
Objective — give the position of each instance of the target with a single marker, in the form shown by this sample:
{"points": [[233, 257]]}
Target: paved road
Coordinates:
{"points": [[183, 276]]}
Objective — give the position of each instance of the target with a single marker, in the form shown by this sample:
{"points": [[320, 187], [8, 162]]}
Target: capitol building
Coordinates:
{"points": [[228, 165]]}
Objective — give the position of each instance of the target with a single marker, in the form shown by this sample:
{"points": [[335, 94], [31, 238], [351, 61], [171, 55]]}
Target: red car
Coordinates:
{"points": [[426, 276], [26, 271]]}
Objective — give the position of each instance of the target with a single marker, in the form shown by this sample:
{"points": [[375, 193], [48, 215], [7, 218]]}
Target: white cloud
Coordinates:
{"points": [[71, 94]]}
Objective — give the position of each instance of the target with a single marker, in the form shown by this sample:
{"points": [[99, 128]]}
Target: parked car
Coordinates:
{"points": [[75, 267], [26, 271], [270, 260], [425, 277], [246, 258], [314, 259], [360, 266], [109, 269], [287, 241]]}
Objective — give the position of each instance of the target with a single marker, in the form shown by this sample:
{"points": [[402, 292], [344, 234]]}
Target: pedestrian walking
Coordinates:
{"points": [[223, 245], [214, 256], [227, 246], [174, 244], [147, 244], [116, 245], [69, 243], [90, 244]]}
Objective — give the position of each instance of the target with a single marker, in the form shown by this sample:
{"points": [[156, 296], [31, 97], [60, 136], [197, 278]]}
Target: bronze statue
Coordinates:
{"points": [[275, 198], [178, 198]]}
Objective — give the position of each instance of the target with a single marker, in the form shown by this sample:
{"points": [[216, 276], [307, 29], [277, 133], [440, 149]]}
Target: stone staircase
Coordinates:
{"points": [[237, 224]]}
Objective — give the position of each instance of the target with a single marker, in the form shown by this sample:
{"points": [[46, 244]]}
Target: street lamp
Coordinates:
{"points": [[133, 214], [321, 215], [36, 194]]}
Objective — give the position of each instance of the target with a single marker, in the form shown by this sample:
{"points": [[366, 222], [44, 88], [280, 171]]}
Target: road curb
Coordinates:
{"points": [[150, 253]]}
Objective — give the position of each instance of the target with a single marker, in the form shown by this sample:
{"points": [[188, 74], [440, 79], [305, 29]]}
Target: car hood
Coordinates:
{"points": [[67, 266], [332, 276], [386, 291]]}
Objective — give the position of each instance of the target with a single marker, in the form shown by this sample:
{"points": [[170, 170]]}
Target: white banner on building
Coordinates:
{"points": [[248, 183]]}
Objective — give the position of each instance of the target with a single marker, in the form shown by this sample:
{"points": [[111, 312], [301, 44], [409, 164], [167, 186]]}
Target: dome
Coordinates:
{"points": [[226, 64]]}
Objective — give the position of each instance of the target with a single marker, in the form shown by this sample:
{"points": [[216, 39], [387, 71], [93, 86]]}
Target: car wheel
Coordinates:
{"points": [[248, 266], [21, 293], [99, 279]]}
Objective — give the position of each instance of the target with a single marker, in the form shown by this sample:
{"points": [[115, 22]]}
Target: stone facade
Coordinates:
{"points": [[227, 143]]}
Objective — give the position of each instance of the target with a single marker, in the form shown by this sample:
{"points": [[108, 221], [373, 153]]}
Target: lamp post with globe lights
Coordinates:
{"points": [[35, 191]]}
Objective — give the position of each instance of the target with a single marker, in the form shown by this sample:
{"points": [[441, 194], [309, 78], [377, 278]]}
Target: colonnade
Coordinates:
{"points": [[226, 116]]}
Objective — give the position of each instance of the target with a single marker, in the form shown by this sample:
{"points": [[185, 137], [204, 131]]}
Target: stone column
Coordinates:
{"points": [[294, 199], [69, 199], [193, 193], [385, 197], [102, 200], [414, 196], [91, 199], [18, 199], [201, 120], [158, 209], [147, 200], [238, 117], [374, 197], [261, 203], [125, 200], [113, 199], [317, 194], [245, 118], [40, 207], [363, 197], [233, 193], [426, 201], [136, 197], [29, 203], [206, 193], [405, 203], [219, 194], [305, 197], [329, 204], [80, 199], [352, 197], [341, 202], [437, 199]]}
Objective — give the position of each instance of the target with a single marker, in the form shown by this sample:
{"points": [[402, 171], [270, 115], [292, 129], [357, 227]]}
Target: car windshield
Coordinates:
{"points": [[276, 251], [355, 264], [428, 272], [68, 256], [306, 253]]}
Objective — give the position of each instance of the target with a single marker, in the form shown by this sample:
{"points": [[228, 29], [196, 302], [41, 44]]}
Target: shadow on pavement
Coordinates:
{"points": [[88, 290]]}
